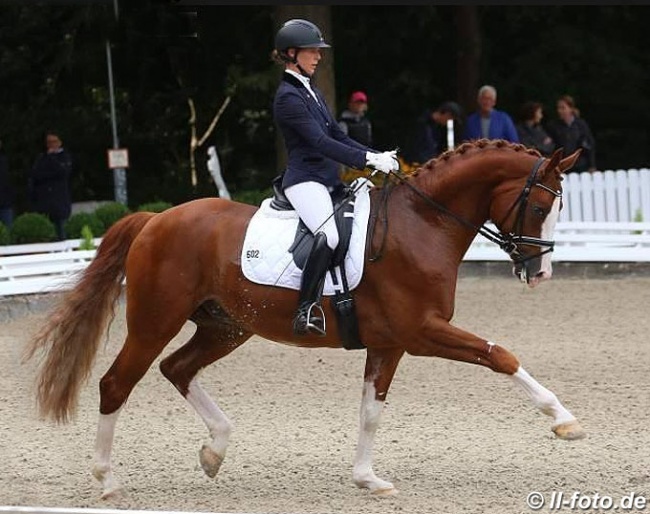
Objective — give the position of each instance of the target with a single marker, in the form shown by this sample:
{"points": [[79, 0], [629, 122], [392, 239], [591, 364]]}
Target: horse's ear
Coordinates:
{"points": [[569, 162], [554, 161]]}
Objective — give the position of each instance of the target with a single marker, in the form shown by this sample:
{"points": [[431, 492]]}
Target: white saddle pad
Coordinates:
{"points": [[265, 258]]}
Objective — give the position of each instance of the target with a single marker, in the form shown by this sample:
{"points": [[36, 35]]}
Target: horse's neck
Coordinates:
{"points": [[463, 186]]}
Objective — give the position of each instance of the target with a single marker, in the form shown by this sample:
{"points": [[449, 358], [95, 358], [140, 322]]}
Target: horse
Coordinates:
{"points": [[184, 264]]}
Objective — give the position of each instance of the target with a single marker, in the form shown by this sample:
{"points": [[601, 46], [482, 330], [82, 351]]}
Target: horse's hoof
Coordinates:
{"points": [[110, 493], [385, 492], [210, 461], [570, 431]]}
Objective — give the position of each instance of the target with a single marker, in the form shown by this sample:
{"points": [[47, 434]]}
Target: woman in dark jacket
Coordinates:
{"points": [[315, 146], [571, 132], [530, 130]]}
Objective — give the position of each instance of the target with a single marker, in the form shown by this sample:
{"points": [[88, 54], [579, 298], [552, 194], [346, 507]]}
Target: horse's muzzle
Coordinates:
{"points": [[530, 273]]}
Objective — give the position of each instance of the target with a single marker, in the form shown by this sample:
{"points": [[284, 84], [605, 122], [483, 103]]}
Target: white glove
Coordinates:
{"points": [[384, 162]]}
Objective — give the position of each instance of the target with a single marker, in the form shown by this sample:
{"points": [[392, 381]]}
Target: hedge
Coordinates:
{"points": [[32, 227]]}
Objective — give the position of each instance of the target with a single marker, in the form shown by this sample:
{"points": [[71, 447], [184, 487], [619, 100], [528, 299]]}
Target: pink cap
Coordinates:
{"points": [[359, 96]]}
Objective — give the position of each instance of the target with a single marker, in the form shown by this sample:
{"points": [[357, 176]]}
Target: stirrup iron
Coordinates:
{"points": [[313, 327]]}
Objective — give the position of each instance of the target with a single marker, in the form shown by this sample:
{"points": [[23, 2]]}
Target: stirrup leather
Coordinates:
{"points": [[307, 322]]}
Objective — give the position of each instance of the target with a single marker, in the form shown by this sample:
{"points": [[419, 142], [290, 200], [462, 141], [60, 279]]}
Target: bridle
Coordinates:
{"points": [[508, 242]]}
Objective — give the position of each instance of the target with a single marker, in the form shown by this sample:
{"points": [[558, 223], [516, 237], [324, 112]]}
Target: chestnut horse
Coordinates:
{"points": [[184, 264]]}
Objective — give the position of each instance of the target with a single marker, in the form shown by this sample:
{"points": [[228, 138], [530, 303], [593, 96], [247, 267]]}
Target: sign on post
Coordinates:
{"points": [[118, 158]]}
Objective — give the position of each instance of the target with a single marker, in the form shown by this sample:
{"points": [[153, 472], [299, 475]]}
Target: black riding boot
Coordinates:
{"points": [[311, 288]]}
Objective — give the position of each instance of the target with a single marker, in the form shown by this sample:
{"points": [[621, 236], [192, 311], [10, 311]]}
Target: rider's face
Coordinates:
{"points": [[308, 59]]}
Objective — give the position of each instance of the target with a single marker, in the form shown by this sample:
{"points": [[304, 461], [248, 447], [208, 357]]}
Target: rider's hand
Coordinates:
{"points": [[384, 162]]}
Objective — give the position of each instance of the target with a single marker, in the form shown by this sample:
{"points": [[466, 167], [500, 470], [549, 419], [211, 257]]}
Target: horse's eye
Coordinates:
{"points": [[539, 212]]}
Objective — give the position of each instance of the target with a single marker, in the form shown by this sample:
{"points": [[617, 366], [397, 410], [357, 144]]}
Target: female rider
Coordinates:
{"points": [[315, 145]]}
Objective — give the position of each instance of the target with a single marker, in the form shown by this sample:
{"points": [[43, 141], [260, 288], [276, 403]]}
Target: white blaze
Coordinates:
{"points": [[548, 228]]}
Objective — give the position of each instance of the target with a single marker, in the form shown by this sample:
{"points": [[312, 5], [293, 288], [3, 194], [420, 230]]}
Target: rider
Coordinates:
{"points": [[315, 144]]}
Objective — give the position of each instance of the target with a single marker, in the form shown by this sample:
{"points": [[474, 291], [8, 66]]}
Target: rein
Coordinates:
{"points": [[507, 242]]}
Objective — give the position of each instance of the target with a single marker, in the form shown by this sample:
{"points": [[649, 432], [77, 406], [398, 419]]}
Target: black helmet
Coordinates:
{"points": [[298, 34]]}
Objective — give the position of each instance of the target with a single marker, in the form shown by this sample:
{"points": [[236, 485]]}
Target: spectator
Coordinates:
{"points": [[6, 191], [571, 132], [530, 130], [353, 120], [488, 122], [49, 183], [430, 137]]}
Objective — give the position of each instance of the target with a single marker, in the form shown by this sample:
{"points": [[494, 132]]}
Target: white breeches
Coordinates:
{"points": [[313, 204]]}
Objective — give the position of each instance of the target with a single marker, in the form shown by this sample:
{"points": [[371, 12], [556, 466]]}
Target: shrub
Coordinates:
{"points": [[154, 206], [76, 223], [32, 227], [111, 212], [253, 197], [5, 237], [87, 242]]}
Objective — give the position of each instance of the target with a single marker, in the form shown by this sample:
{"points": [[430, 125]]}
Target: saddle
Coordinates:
{"points": [[343, 301]]}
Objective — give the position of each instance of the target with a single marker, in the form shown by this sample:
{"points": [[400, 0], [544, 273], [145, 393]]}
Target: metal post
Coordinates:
{"points": [[119, 174]]}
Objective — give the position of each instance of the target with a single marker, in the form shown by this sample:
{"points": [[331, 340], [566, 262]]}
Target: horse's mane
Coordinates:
{"points": [[479, 144]]}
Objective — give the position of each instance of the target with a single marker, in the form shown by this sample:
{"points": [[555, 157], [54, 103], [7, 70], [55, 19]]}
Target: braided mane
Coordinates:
{"points": [[474, 145]]}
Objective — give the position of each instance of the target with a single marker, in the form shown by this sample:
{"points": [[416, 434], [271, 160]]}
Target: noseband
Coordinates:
{"points": [[507, 242]]}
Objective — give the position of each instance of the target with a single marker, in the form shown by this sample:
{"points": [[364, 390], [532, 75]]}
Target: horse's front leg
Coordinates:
{"points": [[449, 342], [379, 372]]}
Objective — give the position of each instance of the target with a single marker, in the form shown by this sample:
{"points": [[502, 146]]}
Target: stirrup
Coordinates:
{"points": [[305, 322]]}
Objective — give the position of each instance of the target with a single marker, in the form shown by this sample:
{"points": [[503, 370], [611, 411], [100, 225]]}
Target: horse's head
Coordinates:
{"points": [[528, 220]]}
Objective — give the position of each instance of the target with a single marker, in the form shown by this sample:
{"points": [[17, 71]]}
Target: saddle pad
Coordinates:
{"points": [[265, 258]]}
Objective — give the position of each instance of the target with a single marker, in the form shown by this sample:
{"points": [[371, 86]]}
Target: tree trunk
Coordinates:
{"points": [[320, 15], [468, 43]]}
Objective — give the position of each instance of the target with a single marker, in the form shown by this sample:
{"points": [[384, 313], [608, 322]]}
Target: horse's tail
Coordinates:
{"points": [[69, 340]]}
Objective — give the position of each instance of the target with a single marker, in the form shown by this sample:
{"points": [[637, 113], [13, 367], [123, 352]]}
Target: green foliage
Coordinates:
{"points": [[5, 236], [638, 215], [253, 197], [32, 227], [87, 242], [111, 212], [76, 223], [155, 207]]}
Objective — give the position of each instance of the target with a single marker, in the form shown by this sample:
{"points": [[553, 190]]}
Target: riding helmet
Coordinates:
{"points": [[298, 33]]}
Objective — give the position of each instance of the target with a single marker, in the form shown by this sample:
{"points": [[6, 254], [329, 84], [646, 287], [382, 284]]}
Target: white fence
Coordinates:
{"points": [[622, 195]]}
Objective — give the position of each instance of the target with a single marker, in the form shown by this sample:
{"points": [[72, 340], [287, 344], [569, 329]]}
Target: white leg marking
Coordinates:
{"points": [[362, 474], [103, 446], [542, 398], [219, 426]]}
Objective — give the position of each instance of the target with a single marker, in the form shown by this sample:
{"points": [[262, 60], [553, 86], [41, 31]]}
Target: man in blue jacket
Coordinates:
{"points": [[488, 122], [315, 146]]}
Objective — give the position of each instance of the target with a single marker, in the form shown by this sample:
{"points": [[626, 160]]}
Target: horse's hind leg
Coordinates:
{"points": [[138, 353], [211, 342]]}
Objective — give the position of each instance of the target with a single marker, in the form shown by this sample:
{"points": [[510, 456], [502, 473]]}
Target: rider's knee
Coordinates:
{"points": [[332, 239]]}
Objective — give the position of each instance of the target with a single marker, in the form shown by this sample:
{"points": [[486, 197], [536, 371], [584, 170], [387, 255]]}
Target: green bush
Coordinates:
{"points": [[77, 221], [253, 197], [87, 242], [32, 227], [111, 212], [5, 237], [154, 207]]}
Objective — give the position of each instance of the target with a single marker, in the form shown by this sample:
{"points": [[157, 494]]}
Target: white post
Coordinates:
{"points": [[450, 134], [215, 170]]}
